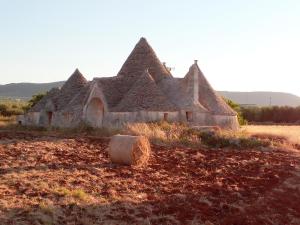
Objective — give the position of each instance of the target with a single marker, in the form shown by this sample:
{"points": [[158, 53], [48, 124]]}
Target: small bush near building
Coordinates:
{"points": [[11, 107], [181, 134]]}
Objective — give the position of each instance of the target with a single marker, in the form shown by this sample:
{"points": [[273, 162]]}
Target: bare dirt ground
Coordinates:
{"points": [[69, 180]]}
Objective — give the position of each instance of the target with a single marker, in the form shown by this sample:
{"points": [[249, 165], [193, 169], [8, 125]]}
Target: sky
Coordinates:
{"points": [[240, 45]]}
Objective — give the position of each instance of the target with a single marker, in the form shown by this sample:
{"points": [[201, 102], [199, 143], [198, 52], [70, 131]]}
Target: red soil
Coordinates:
{"points": [[179, 185]]}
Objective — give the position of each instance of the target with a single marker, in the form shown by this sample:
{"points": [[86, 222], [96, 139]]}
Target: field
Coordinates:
{"points": [[10, 107], [292, 133], [55, 178], [4, 121]]}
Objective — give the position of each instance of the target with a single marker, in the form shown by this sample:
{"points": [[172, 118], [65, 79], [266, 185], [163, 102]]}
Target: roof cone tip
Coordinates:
{"points": [[142, 41], [196, 61], [76, 70]]}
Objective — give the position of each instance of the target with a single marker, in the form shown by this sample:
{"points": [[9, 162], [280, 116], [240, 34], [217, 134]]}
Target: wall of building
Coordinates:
{"points": [[226, 122], [118, 119], [67, 119], [31, 119], [43, 120], [204, 119]]}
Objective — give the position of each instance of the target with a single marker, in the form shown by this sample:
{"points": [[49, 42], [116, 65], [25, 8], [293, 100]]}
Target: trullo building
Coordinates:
{"points": [[144, 90]]}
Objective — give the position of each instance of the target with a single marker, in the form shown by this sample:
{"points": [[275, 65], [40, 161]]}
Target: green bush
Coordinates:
{"points": [[272, 114], [11, 107], [236, 107], [32, 102], [219, 140]]}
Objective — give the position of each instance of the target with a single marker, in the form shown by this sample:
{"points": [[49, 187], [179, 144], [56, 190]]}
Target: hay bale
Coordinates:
{"points": [[129, 150]]}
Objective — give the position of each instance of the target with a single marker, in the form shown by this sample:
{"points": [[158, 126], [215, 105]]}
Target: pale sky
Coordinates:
{"points": [[240, 45]]}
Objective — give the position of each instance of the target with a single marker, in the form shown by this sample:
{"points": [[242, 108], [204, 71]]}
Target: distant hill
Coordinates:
{"points": [[261, 98], [26, 90]]}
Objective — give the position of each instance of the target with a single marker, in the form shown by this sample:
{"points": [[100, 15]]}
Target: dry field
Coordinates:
{"points": [[4, 121], [292, 133], [50, 179]]}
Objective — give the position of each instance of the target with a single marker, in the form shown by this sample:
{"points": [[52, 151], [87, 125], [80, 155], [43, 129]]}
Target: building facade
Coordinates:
{"points": [[144, 90]]}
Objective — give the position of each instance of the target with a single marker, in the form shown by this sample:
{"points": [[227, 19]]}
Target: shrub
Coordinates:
{"points": [[76, 193], [3, 109], [272, 114], [180, 134], [236, 107], [33, 101], [234, 140], [11, 107]]}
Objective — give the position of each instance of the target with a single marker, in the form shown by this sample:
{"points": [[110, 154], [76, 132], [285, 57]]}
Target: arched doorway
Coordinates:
{"points": [[94, 112]]}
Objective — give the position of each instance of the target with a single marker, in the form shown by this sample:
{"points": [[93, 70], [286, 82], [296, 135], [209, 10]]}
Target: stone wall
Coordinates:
{"points": [[67, 119], [118, 119], [226, 122], [32, 119]]}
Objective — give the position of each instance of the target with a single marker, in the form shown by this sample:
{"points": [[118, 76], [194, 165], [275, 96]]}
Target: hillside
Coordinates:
{"points": [[26, 90], [263, 98]]}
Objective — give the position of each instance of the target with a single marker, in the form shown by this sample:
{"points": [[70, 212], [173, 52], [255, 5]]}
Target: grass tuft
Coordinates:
{"points": [[78, 194]]}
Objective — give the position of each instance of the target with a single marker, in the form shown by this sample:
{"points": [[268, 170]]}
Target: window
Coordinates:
{"points": [[189, 116], [166, 116]]}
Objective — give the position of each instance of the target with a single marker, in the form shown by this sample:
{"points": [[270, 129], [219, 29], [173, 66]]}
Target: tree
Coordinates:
{"points": [[236, 107], [3, 109], [33, 101]]}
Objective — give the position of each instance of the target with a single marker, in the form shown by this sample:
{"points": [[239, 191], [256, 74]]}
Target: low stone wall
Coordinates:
{"points": [[202, 119], [67, 119], [32, 119], [226, 122], [118, 119]]}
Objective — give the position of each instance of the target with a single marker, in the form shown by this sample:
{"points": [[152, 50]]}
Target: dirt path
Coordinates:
{"points": [[54, 180]]}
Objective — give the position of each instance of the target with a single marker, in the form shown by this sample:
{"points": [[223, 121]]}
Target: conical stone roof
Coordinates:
{"points": [[70, 89], [143, 57], [144, 95], [79, 99], [51, 95], [209, 98], [75, 80]]}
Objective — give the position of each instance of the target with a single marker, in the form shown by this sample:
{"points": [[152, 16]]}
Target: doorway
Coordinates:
{"points": [[189, 116], [49, 115], [94, 112]]}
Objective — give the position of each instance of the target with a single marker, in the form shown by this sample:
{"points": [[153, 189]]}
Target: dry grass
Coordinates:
{"points": [[157, 132], [292, 133], [182, 135], [176, 134], [7, 120], [9, 124], [78, 194]]}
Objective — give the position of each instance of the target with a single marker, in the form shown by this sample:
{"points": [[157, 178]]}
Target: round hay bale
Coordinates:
{"points": [[129, 150]]}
